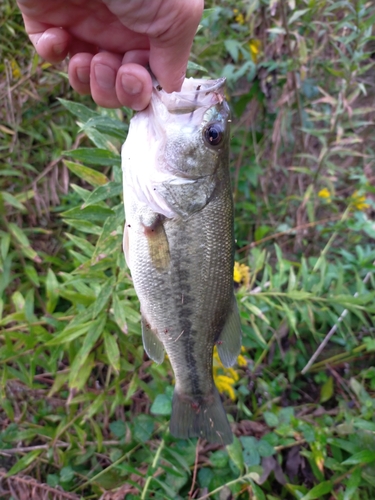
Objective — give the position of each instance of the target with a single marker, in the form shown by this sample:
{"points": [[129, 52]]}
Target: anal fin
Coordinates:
{"points": [[229, 342], [153, 346]]}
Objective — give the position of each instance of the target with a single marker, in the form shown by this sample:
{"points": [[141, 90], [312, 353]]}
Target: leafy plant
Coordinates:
{"points": [[83, 412]]}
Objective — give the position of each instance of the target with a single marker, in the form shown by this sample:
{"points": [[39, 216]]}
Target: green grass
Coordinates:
{"points": [[83, 412]]}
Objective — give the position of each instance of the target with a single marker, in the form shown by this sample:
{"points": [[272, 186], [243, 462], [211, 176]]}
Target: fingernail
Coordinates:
{"points": [[83, 74], [105, 76], [131, 84], [59, 48]]}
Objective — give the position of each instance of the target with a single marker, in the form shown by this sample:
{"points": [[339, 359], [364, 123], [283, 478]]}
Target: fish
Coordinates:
{"points": [[179, 245]]}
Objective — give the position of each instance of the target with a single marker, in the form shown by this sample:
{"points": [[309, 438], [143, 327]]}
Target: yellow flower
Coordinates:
{"points": [[324, 193], [239, 17], [226, 378], [16, 72], [241, 274], [359, 201], [255, 46], [241, 360], [225, 384]]}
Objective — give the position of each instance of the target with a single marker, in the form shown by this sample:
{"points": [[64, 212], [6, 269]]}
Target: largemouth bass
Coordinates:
{"points": [[179, 245]]}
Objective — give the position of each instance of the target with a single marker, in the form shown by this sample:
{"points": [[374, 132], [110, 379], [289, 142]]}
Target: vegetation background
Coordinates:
{"points": [[83, 412]]}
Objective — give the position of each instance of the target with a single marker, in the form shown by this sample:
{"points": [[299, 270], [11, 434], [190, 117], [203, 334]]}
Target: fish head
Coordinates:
{"points": [[178, 139], [195, 127]]}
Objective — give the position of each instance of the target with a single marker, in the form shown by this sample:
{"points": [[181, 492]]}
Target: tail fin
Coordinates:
{"points": [[206, 418]]}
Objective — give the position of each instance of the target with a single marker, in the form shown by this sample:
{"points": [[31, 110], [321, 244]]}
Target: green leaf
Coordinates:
{"points": [[169, 491], [368, 476], [52, 289], [119, 313], [299, 295], [95, 156], [96, 406], [162, 405], [352, 484], [79, 380], [83, 113], [326, 391], [24, 462], [4, 245], [219, 459], [236, 454], [271, 419], [296, 15], [66, 474], [259, 495], [118, 428], [107, 126], [103, 298], [192, 66], [318, 491], [112, 351], [70, 333], [179, 458], [18, 300], [256, 311], [250, 450], [295, 490], [261, 232], [94, 213], [105, 192], [82, 244], [82, 193], [265, 448], [91, 176], [143, 427], [24, 243], [32, 275], [93, 334], [233, 47], [362, 457], [110, 239], [84, 226], [11, 200]]}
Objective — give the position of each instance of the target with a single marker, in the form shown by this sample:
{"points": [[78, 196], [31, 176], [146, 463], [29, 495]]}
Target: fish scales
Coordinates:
{"points": [[179, 247]]}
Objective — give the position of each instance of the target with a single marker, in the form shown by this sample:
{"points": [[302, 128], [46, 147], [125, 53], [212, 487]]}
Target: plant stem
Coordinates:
{"points": [[330, 241], [250, 475], [153, 469], [332, 330]]}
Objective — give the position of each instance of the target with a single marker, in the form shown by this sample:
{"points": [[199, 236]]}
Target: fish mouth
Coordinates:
{"points": [[194, 94]]}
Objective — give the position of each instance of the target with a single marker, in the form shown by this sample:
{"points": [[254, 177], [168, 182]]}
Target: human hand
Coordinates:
{"points": [[111, 41]]}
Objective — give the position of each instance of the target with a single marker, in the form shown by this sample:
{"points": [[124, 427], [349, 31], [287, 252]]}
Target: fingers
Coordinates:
{"points": [[103, 73], [134, 86], [79, 72], [170, 49], [111, 83], [51, 44]]}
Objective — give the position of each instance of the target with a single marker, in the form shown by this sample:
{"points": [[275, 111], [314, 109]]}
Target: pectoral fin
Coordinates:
{"points": [[125, 245], [229, 343], [153, 346], [158, 245]]}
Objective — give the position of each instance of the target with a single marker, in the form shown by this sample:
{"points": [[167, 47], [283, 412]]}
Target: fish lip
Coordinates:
{"points": [[201, 86], [194, 94]]}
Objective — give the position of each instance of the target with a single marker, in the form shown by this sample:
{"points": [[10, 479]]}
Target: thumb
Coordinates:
{"points": [[170, 50]]}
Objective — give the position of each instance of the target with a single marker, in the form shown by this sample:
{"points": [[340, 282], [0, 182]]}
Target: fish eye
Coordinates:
{"points": [[213, 134]]}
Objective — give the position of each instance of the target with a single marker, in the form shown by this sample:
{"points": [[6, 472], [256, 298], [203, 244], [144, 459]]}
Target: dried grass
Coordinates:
{"points": [[21, 487]]}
